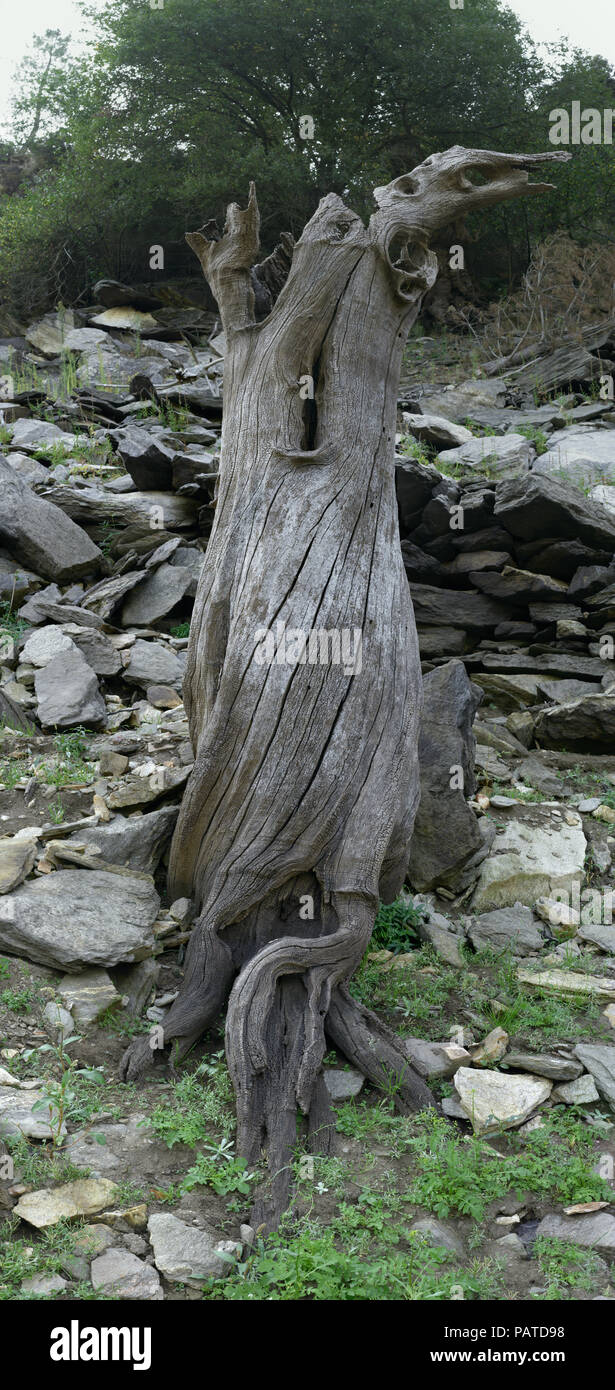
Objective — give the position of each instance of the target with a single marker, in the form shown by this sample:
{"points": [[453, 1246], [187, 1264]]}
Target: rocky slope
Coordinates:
{"points": [[110, 442]]}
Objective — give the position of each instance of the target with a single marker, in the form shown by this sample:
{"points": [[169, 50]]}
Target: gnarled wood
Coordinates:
{"points": [[305, 782]]}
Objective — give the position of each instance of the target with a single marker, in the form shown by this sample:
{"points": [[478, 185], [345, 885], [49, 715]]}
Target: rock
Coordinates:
{"points": [[459, 402], [568, 982], [491, 1049], [604, 496], [44, 1284], [580, 1092], [580, 456], [604, 937], [495, 1100], [554, 1068], [162, 697], [148, 461], [578, 724], [47, 1206], [414, 484], [562, 919], [43, 644], [122, 1275], [136, 983], [511, 1247], [89, 995], [184, 1254], [452, 1107], [159, 592], [343, 1083], [434, 429], [40, 535], [447, 841], [599, 1059], [135, 842], [435, 1060], [508, 453], [536, 506], [67, 692], [98, 651], [596, 1231], [32, 435], [59, 1022], [151, 663], [445, 941], [79, 917], [519, 586], [441, 1233], [17, 1116], [539, 853], [471, 611], [126, 1218], [16, 862]]}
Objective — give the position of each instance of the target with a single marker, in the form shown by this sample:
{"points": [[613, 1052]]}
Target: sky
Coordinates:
{"points": [[590, 25]]}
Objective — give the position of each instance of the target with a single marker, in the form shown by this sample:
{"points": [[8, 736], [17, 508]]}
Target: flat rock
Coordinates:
{"points": [[88, 995], [155, 596], [599, 1059], [517, 586], [595, 1231], [581, 456], [508, 453], [537, 505], [511, 928], [47, 1206], [539, 853], [135, 842], [554, 1068], [67, 692], [122, 1275], [604, 937], [151, 663], [45, 643], [460, 607], [16, 862], [40, 535], [579, 723], [18, 1118], [495, 1100], [184, 1254], [580, 1092], [568, 982], [434, 429], [79, 917], [343, 1083], [433, 1060]]}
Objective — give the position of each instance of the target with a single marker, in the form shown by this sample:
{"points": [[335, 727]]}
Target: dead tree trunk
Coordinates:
{"points": [[303, 685]]}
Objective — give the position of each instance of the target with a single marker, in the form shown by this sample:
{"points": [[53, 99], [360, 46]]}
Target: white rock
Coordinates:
{"points": [[539, 854], [497, 1100]]}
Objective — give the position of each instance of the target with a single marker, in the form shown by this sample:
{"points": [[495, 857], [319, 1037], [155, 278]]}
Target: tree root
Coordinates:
{"points": [[284, 1002]]}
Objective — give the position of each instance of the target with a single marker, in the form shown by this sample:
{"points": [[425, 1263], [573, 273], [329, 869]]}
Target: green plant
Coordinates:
{"points": [[61, 1097], [395, 926], [193, 1106], [568, 1267], [218, 1168], [181, 630], [17, 1000]]}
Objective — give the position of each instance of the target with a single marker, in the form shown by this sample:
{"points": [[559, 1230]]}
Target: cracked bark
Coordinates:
{"points": [[306, 778]]}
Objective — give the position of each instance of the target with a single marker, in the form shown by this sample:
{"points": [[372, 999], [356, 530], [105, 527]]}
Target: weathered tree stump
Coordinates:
{"points": [[299, 811]]}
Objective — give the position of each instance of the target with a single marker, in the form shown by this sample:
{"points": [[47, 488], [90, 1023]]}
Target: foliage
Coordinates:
{"points": [[173, 110]]}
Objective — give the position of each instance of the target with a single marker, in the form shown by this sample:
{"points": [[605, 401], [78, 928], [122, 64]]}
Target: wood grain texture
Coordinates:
{"points": [[306, 776]]}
